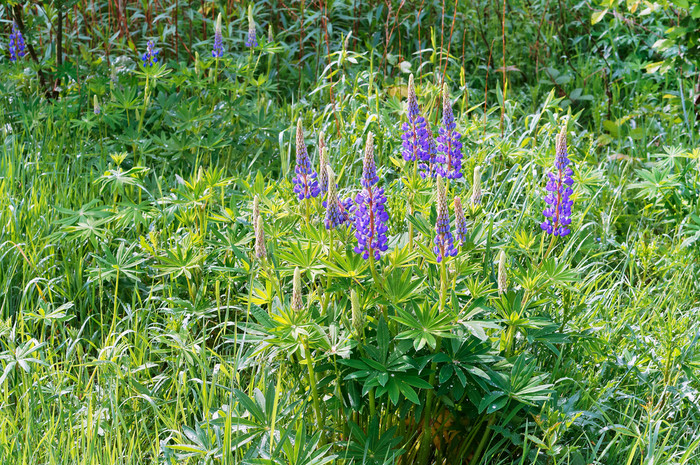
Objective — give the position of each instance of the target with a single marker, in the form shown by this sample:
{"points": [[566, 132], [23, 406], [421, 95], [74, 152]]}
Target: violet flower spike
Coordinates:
{"points": [[449, 144], [336, 214], [150, 58], [429, 168], [17, 46], [369, 212], [416, 137], [251, 40], [218, 50], [305, 182], [444, 242], [558, 211]]}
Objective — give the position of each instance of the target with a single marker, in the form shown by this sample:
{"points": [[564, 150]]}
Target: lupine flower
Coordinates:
{"points": [[369, 211], [260, 249], [16, 44], [323, 159], [297, 304], [429, 168], [96, 105], [357, 317], [336, 214], [416, 136], [251, 41], [306, 184], [449, 144], [476, 188], [502, 276], [150, 58], [218, 51], [444, 243], [461, 222], [558, 212]]}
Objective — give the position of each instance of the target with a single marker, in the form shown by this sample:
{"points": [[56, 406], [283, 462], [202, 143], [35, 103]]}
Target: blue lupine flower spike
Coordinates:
{"points": [[460, 222], [369, 212], [17, 46], [150, 58], [305, 182], [251, 40], [416, 137], [444, 242], [336, 214], [218, 50], [558, 211], [449, 144]]}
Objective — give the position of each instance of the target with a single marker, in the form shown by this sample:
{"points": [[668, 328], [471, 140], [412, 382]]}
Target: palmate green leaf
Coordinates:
{"points": [[559, 273], [426, 325], [400, 287], [125, 263], [655, 182], [181, 260], [347, 265], [306, 256]]}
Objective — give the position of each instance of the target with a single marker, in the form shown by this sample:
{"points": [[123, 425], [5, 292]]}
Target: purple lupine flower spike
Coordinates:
{"points": [[150, 58], [558, 211], [305, 182], [17, 45], [369, 211], [449, 144], [444, 242], [416, 137], [218, 50], [251, 40], [429, 168], [460, 222], [336, 214]]}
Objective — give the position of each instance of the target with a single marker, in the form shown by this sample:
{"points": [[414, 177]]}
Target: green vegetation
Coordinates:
{"points": [[166, 297]]}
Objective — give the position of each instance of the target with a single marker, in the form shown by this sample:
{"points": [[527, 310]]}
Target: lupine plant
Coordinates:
{"points": [[175, 289]]}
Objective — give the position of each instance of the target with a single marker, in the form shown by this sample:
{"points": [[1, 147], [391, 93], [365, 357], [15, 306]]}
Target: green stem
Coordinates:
{"points": [[443, 283], [326, 292], [312, 386], [484, 439], [549, 249], [145, 104], [428, 414]]}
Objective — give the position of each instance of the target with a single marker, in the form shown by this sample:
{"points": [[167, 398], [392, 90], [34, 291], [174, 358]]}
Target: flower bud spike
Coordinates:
{"points": [[260, 249], [297, 304], [476, 188], [502, 276]]}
